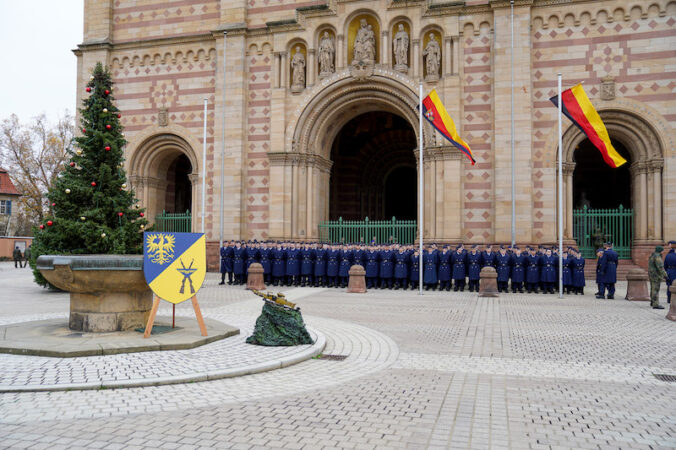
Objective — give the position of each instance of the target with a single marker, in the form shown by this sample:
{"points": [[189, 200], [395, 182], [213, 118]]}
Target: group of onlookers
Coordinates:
{"points": [[21, 259]]}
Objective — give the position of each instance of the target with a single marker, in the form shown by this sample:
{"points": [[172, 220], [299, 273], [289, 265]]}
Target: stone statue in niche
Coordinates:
{"points": [[432, 53], [297, 71], [364, 44], [400, 47], [327, 50]]}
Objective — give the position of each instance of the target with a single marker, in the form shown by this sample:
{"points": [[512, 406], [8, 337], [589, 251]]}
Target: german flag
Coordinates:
{"points": [[436, 114], [577, 107]]}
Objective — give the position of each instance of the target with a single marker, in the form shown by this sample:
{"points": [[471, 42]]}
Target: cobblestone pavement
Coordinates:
{"points": [[445, 370]]}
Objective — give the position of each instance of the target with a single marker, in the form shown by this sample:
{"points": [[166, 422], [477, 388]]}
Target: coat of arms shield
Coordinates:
{"points": [[174, 264]]}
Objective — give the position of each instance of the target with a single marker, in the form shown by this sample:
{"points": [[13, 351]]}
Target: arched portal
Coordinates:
{"points": [[163, 172], [373, 173]]}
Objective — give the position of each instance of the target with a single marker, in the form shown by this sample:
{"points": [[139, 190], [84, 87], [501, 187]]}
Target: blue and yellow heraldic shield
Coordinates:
{"points": [[174, 264]]}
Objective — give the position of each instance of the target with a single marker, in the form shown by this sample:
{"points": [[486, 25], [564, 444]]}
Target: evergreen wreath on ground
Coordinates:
{"points": [[92, 210]]}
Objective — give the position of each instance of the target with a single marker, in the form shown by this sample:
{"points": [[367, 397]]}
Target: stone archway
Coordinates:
{"points": [[300, 175], [645, 150], [157, 165]]}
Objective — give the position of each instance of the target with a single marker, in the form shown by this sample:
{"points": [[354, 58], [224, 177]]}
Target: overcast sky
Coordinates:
{"points": [[39, 70]]}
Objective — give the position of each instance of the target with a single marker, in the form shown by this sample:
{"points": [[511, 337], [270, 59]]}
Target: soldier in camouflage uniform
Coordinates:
{"points": [[657, 274]]}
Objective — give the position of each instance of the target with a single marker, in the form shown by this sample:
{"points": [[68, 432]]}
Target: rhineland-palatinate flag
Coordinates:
{"points": [[436, 114], [577, 107]]}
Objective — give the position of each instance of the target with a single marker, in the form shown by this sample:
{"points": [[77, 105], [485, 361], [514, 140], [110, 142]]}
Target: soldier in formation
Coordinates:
{"points": [[670, 267], [656, 273], [395, 266]]}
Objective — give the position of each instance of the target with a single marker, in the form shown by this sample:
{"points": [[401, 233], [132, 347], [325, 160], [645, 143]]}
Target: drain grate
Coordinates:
{"points": [[332, 357], [159, 329], [663, 377]]}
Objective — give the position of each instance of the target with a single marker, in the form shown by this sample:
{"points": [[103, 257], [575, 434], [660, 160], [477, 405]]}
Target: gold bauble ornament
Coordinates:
{"points": [[67, 191], [83, 218], [103, 235], [105, 110], [124, 186], [143, 227], [78, 151]]}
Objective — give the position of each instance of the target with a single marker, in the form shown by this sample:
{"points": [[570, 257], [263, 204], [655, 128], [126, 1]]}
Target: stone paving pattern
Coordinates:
{"points": [[445, 370]]}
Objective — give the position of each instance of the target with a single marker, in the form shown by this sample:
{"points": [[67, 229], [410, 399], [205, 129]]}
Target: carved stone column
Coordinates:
{"points": [[386, 50], [415, 45], [340, 52], [196, 194], [311, 67], [284, 70], [277, 70], [639, 171], [447, 56], [456, 54], [656, 168]]}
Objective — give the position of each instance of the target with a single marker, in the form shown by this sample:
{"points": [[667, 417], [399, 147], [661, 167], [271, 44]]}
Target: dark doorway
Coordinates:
{"points": [[597, 185], [374, 169], [178, 197]]}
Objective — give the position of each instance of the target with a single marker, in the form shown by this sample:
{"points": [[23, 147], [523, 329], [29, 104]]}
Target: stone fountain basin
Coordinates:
{"points": [[107, 292]]}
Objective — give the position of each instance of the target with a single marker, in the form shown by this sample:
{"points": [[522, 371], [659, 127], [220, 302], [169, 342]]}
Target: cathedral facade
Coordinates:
{"points": [[311, 112]]}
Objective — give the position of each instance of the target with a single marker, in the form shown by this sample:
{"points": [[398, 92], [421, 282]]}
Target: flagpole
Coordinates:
{"points": [[513, 162], [560, 194], [420, 190], [204, 164], [220, 235]]}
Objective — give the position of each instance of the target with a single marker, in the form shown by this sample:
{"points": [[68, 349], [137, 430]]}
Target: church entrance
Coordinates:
{"points": [[178, 195], [374, 169], [602, 201]]}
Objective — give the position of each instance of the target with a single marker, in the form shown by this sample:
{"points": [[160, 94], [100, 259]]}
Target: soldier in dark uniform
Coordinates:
{"points": [[345, 259], [264, 257], [306, 265], [610, 273], [518, 263], [332, 255], [400, 268], [16, 254], [238, 261], [577, 266], [226, 262], [488, 257], [250, 256], [600, 268], [386, 270], [474, 268], [371, 259], [444, 269], [430, 268], [459, 270], [670, 267], [358, 254], [532, 271], [656, 273], [292, 265], [549, 271], [414, 269], [502, 260], [278, 265], [567, 271], [320, 265]]}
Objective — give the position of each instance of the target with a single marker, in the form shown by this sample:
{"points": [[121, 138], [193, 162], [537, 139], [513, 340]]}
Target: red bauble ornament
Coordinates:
{"points": [[84, 130], [93, 183], [141, 214], [50, 223], [88, 89], [53, 204], [119, 116], [120, 214], [42, 227], [107, 148], [106, 92], [108, 127], [72, 164]]}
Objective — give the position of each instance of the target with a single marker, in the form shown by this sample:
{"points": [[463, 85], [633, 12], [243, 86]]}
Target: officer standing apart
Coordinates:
{"points": [[610, 270], [657, 274], [16, 254], [669, 266]]}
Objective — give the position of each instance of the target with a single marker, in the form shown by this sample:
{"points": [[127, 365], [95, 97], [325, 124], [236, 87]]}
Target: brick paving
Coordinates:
{"points": [[445, 370]]}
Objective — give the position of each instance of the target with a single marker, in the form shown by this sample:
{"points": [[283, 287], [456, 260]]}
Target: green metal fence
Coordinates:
{"points": [[592, 227], [401, 231], [174, 222]]}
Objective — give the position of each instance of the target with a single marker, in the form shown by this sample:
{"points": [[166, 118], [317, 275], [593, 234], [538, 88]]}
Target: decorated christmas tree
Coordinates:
{"points": [[92, 210]]}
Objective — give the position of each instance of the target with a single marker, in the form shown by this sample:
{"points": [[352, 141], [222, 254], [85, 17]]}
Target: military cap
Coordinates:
{"points": [[458, 247], [475, 246], [672, 242], [599, 250], [659, 249], [516, 247]]}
